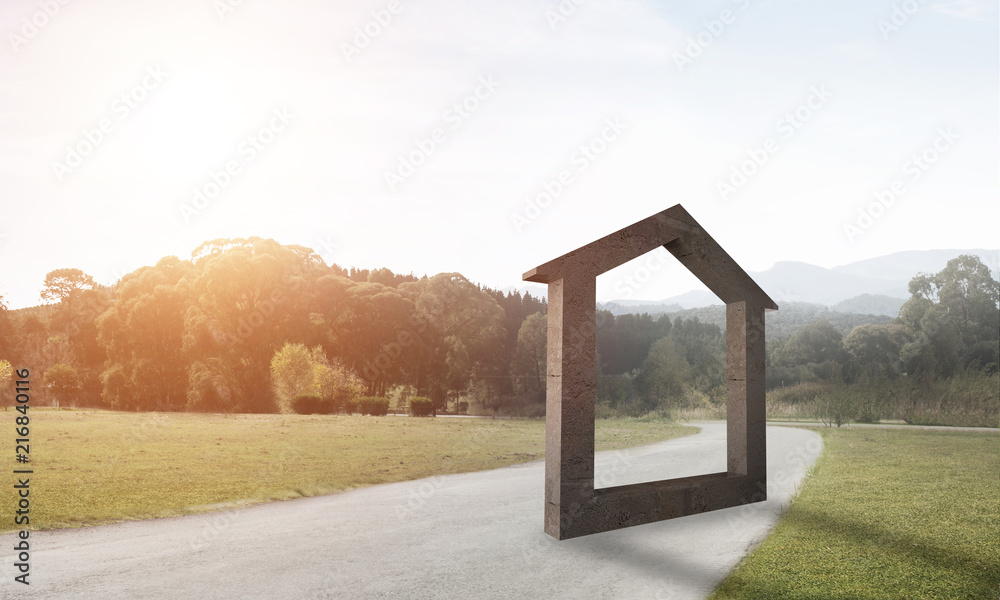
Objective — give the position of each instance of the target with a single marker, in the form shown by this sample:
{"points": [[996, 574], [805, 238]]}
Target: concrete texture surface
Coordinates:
{"points": [[573, 507], [475, 535]]}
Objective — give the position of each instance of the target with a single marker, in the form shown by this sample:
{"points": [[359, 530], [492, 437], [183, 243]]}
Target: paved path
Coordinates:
{"points": [[886, 426], [468, 536]]}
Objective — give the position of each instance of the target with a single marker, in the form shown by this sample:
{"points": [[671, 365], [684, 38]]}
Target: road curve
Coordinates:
{"points": [[469, 536]]}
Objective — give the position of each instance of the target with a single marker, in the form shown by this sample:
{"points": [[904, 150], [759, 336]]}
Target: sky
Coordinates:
{"points": [[487, 138]]}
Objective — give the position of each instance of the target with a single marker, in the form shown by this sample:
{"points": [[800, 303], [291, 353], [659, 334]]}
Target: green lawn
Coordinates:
{"points": [[887, 514], [100, 466]]}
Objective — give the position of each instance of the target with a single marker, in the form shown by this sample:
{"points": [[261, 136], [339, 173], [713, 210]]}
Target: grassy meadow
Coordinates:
{"points": [[101, 466], [886, 514]]}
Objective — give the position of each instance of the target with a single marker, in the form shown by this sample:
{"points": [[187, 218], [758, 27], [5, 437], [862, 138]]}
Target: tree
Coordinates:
{"points": [[453, 318], [935, 344], [143, 337], [79, 302], [969, 293], [8, 340], [62, 380], [63, 284], [292, 375], [954, 317], [623, 341], [297, 371], [250, 297], [6, 376], [662, 379], [814, 343], [875, 349], [529, 366], [334, 380], [368, 328], [516, 308]]}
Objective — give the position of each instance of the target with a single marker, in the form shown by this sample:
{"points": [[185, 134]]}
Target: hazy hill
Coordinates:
{"points": [[788, 319], [888, 275], [904, 265], [873, 286], [801, 282], [870, 304]]}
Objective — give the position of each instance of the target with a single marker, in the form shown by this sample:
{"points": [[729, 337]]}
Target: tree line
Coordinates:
{"points": [[950, 323], [201, 334], [245, 325]]}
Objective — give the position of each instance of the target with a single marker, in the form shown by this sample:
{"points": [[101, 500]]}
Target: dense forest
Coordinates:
{"points": [[246, 323]]}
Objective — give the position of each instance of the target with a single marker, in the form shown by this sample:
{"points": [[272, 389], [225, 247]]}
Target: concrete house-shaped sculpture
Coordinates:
{"points": [[573, 507]]}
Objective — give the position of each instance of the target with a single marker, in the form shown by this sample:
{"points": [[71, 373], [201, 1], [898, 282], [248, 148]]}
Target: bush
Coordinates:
{"points": [[421, 407], [350, 406], [462, 407], [373, 405], [836, 406], [310, 405]]}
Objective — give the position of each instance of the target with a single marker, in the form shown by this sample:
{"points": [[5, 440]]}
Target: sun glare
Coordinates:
{"points": [[189, 126]]}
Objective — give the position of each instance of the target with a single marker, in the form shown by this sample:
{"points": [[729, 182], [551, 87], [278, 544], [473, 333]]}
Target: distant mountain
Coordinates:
{"points": [[870, 304], [788, 319], [801, 282], [654, 308], [871, 286], [904, 265], [692, 299], [888, 275]]}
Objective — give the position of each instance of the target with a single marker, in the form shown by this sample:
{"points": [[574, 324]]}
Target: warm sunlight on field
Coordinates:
{"points": [[99, 466]]}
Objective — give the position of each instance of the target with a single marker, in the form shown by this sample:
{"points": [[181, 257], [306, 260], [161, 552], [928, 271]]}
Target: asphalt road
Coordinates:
{"points": [[469, 536]]}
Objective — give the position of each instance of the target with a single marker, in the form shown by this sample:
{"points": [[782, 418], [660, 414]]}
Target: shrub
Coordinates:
{"points": [[421, 406], [329, 406], [309, 405], [836, 406], [373, 405], [462, 407], [350, 406]]}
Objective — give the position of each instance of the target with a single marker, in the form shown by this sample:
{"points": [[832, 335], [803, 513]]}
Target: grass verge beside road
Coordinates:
{"points": [[886, 514], [99, 466]]}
